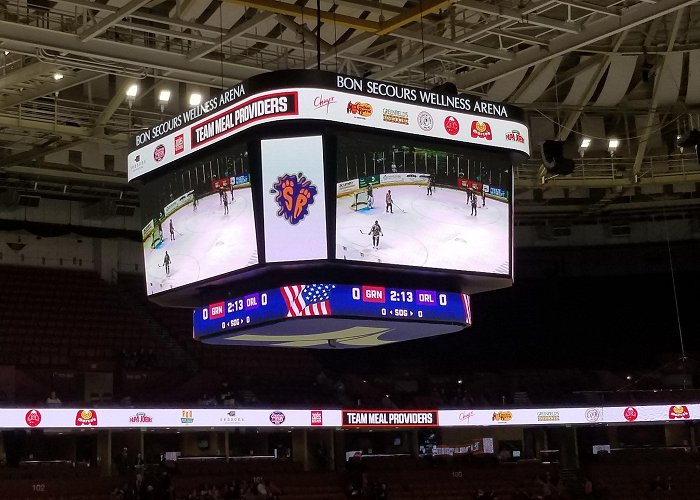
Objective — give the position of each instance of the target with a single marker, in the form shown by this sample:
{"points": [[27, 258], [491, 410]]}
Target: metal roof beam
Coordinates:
{"points": [[234, 32], [69, 80], [417, 13], [566, 43], [112, 19], [25, 73], [516, 15], [26, 39], [450, 45]]}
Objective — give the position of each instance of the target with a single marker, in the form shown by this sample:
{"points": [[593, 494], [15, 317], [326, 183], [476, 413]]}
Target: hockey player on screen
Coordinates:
{"points": [[231, 186], [370, 196], [376, 231], [195, 201], [474, 204], [225, 199], [389, 202], [166, 263], [483, 198], [430, 187], [172, 230]]}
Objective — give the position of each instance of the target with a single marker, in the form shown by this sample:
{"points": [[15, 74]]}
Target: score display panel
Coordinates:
{"points": [[325, 315]]}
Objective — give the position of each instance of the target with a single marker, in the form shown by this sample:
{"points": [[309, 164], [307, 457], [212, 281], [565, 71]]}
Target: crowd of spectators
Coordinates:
{"points": [[256, 489]]}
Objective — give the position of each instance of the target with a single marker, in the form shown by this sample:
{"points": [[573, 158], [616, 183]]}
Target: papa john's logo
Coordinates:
{"points": [[481, 130], [515, 136], [33, 418], [86, 417], [293, 193]]}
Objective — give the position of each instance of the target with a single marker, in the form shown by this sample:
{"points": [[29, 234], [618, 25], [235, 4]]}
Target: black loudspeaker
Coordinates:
{"points": [[553, 158], [691, 140]]}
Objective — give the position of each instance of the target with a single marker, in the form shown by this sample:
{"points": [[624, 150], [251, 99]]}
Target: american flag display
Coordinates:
{"points": [[307, 300]]}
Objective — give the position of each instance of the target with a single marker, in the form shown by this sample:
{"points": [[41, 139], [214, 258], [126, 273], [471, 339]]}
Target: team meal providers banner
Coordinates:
{"points": [[418, 119], [294, 202], [66, 418], [390, 418]]}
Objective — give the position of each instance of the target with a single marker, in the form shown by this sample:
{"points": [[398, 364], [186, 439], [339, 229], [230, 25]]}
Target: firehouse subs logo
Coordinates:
{"points": [[359, 109], [678, 411], [86, 417], [33, 418], [293, 193], [481, 130]]}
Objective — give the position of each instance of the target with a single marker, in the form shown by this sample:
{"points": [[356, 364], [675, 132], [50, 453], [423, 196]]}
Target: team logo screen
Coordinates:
{"points": [[267, 106], [293, 193]]}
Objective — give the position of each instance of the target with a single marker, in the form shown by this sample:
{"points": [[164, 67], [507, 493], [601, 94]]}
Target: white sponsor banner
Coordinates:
{"points": [[135, 418], [294, 203], [177, 203], [61, 418], [348, 187], [147, 230], [338, 107], [403, 178]]}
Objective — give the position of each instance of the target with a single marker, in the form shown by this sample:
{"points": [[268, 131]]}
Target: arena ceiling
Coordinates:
{"points": [[599, 69]]}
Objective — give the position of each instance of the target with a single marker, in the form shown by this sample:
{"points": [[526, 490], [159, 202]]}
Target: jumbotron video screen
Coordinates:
{"points": [[198, 220], [417, 204]]}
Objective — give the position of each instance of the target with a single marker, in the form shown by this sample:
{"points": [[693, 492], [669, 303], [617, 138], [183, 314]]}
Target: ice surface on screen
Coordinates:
{"points": [[450, 207], [201, 215]]}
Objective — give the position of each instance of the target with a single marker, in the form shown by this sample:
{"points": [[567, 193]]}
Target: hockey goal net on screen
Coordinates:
{"points": [[360, 201]]}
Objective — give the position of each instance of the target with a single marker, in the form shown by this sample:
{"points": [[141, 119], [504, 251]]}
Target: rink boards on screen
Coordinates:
{"points": [[323, 315]]}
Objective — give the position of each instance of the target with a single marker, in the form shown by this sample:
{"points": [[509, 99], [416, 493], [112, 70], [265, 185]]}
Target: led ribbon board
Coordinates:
{"points": [[322, 96], [317, 311]]}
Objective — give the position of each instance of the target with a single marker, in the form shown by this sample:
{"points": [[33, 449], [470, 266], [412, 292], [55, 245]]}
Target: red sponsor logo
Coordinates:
{"points": [[481, 130], [33, 418], [630, 414], [363, 109], [277, 417], [316, 417], [451, 125], [515, 136], [373, 294], [86, 417], [216, 310], [159, 153], [678, 411], [179, 143]]}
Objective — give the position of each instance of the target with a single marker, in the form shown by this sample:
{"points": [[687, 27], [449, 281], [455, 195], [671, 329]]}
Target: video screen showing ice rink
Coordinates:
{"points": [[448, 210], [198, 221]]}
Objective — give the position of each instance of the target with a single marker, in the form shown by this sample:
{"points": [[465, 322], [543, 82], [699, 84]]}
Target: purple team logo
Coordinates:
{"points": [[294, 193], [277, 418]]}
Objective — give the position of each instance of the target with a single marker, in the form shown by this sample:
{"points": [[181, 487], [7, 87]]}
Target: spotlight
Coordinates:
{"points": [[585, 142], [613, 145], [58, 76], [163, 99], [132, 91], [195, 99], [554, 160]]}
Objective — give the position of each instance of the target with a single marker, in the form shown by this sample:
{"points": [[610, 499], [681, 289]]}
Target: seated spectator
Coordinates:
{"points": [[53, 399]]}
